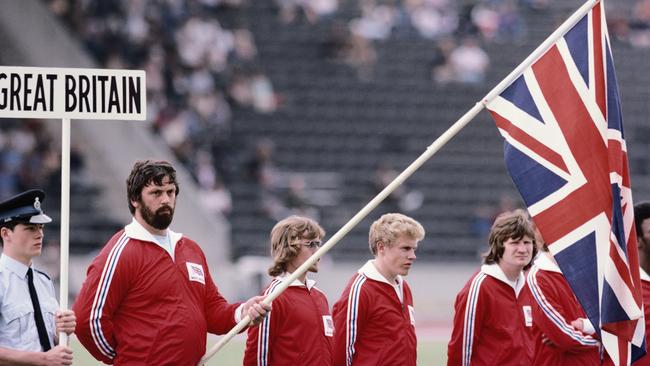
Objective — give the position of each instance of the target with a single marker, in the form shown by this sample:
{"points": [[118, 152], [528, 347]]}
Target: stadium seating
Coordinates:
{"points": [[333, 122]]}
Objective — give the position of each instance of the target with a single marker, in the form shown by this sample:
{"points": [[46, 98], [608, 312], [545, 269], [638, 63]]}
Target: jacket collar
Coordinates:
{"points": [[495, 271], [13, 265], [310, 283], [370, 270], [543, 262], [136, 231]]}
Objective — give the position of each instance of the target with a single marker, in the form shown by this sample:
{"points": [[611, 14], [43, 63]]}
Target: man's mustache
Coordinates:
{"points": [[168, 209]]}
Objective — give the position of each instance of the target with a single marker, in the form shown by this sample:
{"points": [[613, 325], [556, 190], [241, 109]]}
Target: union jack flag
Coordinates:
{"points": [[565, 151], [197, 271]]}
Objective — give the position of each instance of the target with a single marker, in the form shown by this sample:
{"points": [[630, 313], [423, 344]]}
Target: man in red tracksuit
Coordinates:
{"points": [[149, 298], [564, 335], [374, 317], [642, 222], [299, 331], [493, 312]]}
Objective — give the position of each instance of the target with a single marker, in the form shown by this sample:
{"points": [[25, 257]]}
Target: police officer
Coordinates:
{"points": [[29, 315]]}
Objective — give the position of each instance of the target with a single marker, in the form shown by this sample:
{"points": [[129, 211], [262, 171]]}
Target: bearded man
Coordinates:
{"points": [[148, 297]]}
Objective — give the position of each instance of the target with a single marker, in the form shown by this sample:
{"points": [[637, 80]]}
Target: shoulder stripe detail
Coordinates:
{"points": [[100, 297], [554, 315], [263, 331], [352, 318], [43, 273], [317, 289], [470, 317]]}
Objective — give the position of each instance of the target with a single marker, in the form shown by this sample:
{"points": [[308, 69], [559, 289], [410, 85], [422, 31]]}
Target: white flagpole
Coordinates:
{"points": [[431, 150], [65, 219]]}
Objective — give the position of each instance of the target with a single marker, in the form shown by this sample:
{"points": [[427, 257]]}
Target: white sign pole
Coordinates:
{"points": [[66, 93], [65, 219]]}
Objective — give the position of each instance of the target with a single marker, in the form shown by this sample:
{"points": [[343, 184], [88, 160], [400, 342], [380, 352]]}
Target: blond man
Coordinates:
{"points": [[374, 317]]}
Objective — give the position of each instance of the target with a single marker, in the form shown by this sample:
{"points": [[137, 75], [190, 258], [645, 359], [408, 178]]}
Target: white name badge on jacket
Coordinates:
{"points": [[528, 315], [328, 324], [196, 272], [412, 315]]}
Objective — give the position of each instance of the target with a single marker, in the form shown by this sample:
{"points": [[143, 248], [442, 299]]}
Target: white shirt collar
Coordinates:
{"points": [[644, 275], [136, 231], [495, 271], [310, 283], [545, 263], [370, 270], [13, 265]]}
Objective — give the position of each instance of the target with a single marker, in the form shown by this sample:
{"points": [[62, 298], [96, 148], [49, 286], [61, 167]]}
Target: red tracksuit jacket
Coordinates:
{"points": [[554, 308], [137, 306], [298, 332], [373, 326], [492, 322], [645, 288]]}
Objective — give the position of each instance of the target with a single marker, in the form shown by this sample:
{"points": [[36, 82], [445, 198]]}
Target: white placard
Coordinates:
{"points": [[43, 92]]}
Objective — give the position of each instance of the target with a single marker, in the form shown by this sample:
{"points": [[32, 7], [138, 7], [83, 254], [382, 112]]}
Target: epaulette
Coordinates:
{"points": [[43, 273]]}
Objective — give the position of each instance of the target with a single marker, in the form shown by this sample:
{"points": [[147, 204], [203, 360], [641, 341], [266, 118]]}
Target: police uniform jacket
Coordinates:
{"points": [[17, 324]]}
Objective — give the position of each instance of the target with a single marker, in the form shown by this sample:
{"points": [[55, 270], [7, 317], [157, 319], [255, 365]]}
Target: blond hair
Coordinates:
{"points": [[284, 240], [391, 226]]}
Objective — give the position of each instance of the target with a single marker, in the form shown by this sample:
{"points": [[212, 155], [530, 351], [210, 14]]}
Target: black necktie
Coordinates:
{"points": [[38, 316]]}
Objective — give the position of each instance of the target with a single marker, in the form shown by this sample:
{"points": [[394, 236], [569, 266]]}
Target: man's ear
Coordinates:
{"points": [[4, 233], [380, 247]]}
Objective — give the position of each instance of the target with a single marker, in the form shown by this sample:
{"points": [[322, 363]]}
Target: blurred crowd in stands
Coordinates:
{"points": [[456, 29], [31, 158], [202, 63], [280, 194], [201, 59], [28, 158], [631, 25]]}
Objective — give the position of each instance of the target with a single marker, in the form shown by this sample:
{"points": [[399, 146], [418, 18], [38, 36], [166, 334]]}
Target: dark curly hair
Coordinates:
{"points": [[145, 172]]}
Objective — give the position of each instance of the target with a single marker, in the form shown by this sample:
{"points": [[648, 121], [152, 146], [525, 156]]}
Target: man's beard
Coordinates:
{"points": [[159, 219]]}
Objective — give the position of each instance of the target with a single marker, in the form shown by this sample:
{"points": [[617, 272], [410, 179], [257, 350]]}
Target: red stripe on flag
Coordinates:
{"points": [[537, 147], [621, 266], [599, 76], [587, 147], [615, 150], [633, 257], [626, 172], [623, 329], [622, 351]]}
